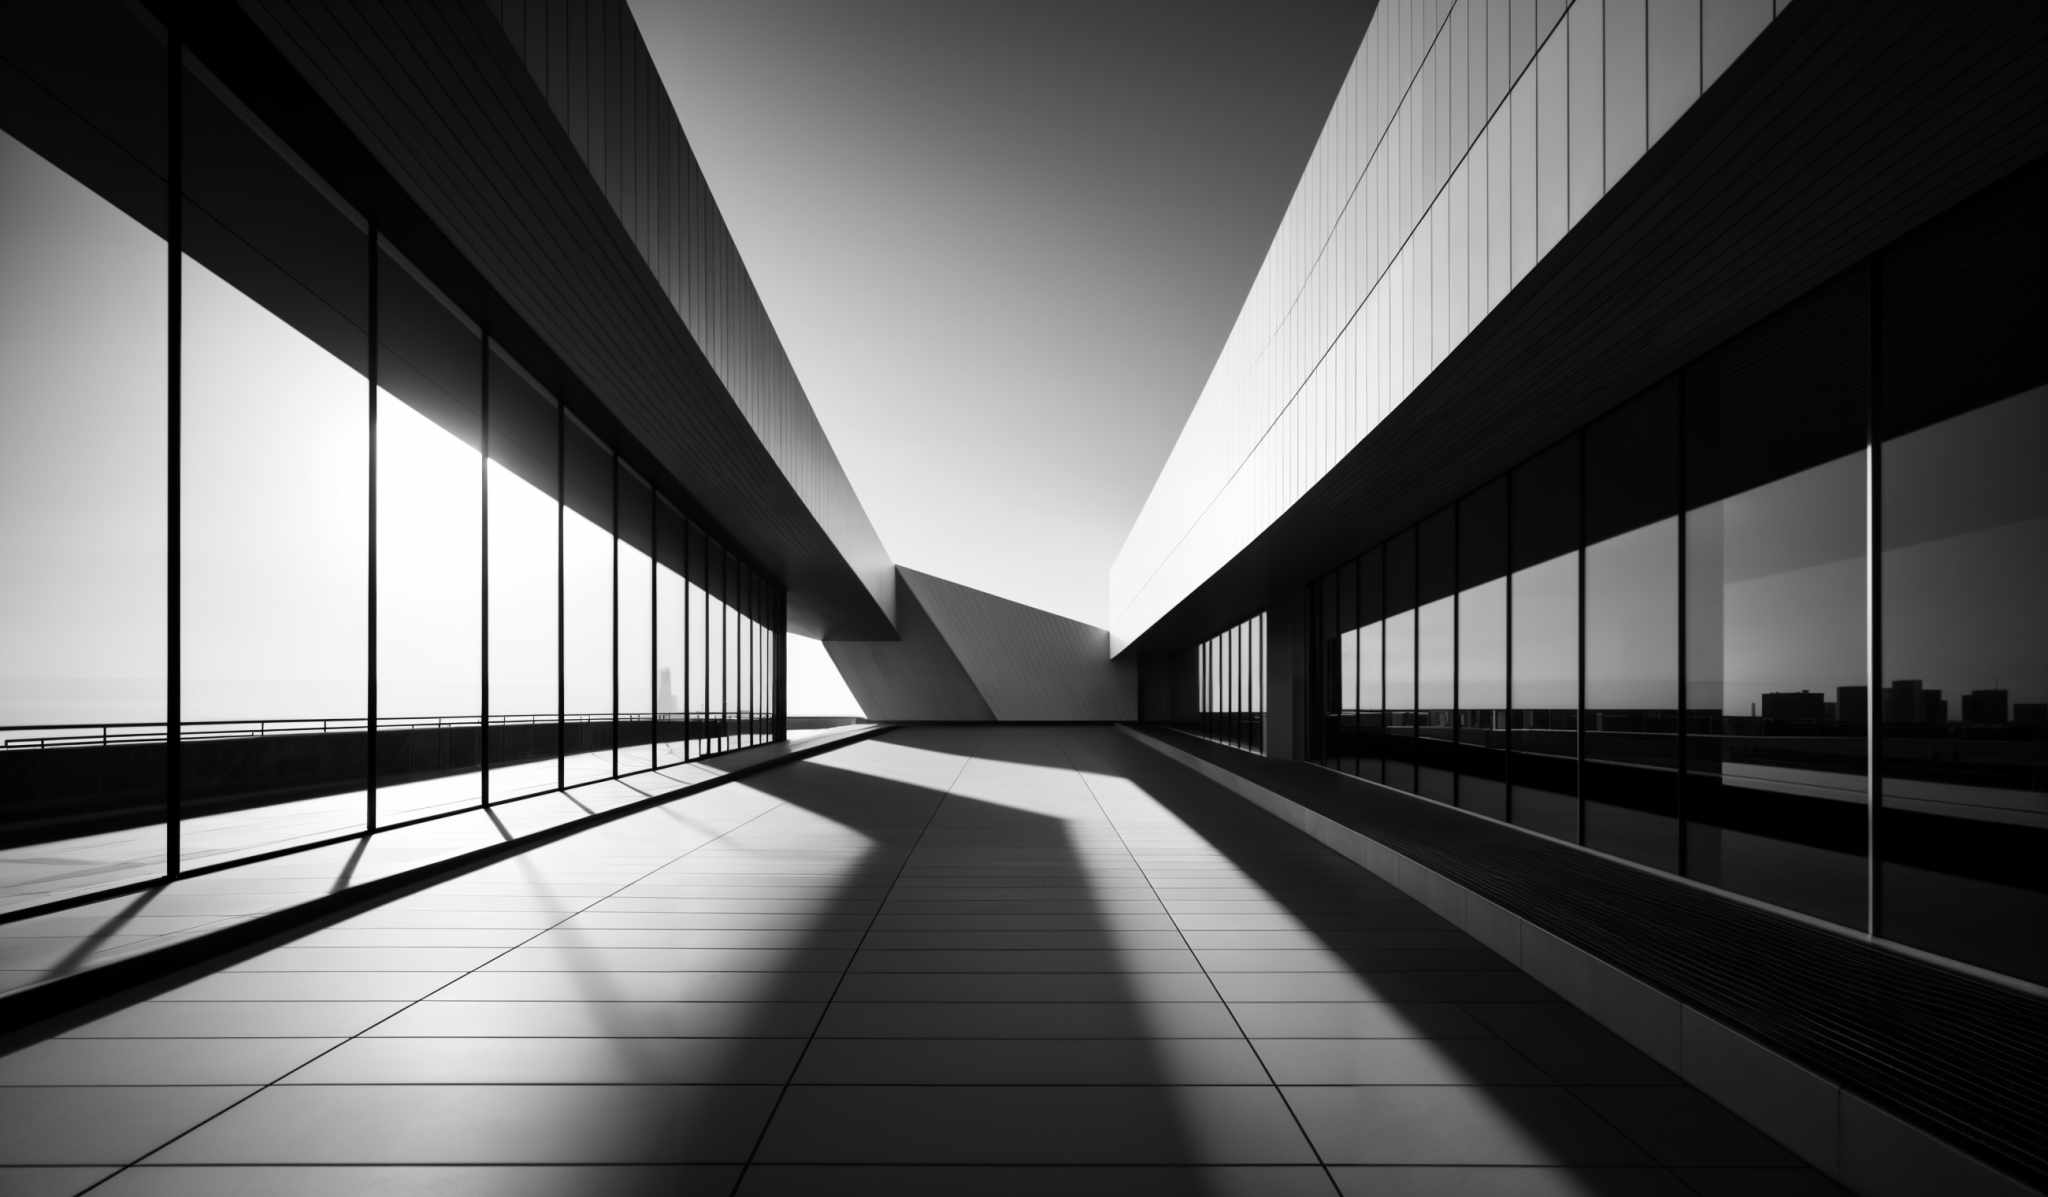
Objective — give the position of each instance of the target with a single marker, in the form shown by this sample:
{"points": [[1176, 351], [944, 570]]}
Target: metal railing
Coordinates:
{"points": [[105, 735]]}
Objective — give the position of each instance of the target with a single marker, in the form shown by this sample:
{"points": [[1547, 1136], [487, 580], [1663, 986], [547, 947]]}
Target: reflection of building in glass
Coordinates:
{"points": [[1985, 706], [1798, 706]]}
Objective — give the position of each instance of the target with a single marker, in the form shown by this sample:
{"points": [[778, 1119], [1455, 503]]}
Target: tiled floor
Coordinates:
{"points": [[945, 961], [41, 948]]}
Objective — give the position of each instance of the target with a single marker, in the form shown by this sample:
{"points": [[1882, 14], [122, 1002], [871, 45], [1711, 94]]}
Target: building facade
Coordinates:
{"points": [[1633, 389], [337, 498]]}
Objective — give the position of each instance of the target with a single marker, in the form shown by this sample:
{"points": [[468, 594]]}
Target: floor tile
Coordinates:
{"points": [[48, 1182], [475, 1060], [1027, 987], [1679, 1125], [1356, 1020], [1506, 1182], [640, 987], [1570, 1047], [446, 1180], [1396, 1062], [882, 1180], [694, 960], [1030, 1125], [309, 987], [470, 1124], [102, 1125], [616, 1020], [1456, 1124], [158, 1061], [1759, 1182], [1030, 1062], [1028, 1020], [221, 1020]]}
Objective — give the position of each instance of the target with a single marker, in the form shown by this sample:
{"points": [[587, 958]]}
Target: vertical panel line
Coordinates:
{"points": [[483, 488], [174, 315], [370, 705], [561, 597], [1873, 598]]}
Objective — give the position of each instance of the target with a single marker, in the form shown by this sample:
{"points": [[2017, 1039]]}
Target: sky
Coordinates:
{"points": [[1003, 242]]}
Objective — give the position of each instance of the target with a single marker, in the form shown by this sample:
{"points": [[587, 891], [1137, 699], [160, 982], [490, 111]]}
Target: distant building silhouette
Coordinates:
{"points": [[1985, 706]]}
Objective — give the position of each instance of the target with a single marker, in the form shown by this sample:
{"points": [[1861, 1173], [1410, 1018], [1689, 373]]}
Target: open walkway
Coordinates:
{"points": [[1034, 960]]}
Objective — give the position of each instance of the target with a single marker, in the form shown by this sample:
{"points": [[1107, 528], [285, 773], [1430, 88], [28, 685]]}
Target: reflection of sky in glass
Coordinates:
{"points": [[82, 311]]}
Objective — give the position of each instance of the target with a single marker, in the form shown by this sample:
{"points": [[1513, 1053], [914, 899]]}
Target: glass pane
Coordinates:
{"points": [[1963, 810], [1966, 679], [636, 623], [1436, 678], [1631, 623], [697, 632], [1544, 640], [524, 518], [1776, 790], [1371, 733], [587, 613], [1483, 650], [1399, 740], [430, 480], [82, 611], [274, 499], [670, 670]]}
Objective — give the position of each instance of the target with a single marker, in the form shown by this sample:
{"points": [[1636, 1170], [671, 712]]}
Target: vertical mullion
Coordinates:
{"points": [[1684, 699], [174, 665], [1579, 723], [1873, 600], [1507, 714], [1455, 760], [561, 598], [653, 626], [370, 721], [483, 486], [615, 613]]}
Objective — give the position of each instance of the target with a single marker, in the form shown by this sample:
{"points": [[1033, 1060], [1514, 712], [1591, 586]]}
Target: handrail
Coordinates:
{"points": [[102, 735]]}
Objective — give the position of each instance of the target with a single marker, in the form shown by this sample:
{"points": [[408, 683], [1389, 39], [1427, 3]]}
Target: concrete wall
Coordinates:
{"points": [[969, 655]]}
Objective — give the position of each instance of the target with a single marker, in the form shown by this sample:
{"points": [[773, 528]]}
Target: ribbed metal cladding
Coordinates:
{"points": [[542, 158], [1843, 126], [1962, 1056]]}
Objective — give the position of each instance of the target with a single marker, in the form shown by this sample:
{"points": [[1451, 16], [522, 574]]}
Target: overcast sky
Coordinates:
{"points": [[1003, 242]]}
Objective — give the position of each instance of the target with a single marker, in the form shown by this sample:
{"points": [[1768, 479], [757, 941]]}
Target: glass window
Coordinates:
{"points": [[695, 607], [1372, 697], [1544, 640], [1398, 741], [1631, 631], [1344, 745], [1436, 661], [83, 608], [671, 667], [430, 481], [587, 610], [525, 522], [1329, 674], [1483, 650], [1963, 650], [635, 701], [274, 497], [1776, 788]]}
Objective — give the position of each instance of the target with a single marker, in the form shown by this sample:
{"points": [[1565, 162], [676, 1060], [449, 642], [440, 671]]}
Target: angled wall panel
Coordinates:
{"points": [[1029, 664], [912, 679]]}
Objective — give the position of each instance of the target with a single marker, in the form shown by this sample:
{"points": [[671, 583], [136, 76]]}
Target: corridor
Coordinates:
{"points": [[947, 960]]}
